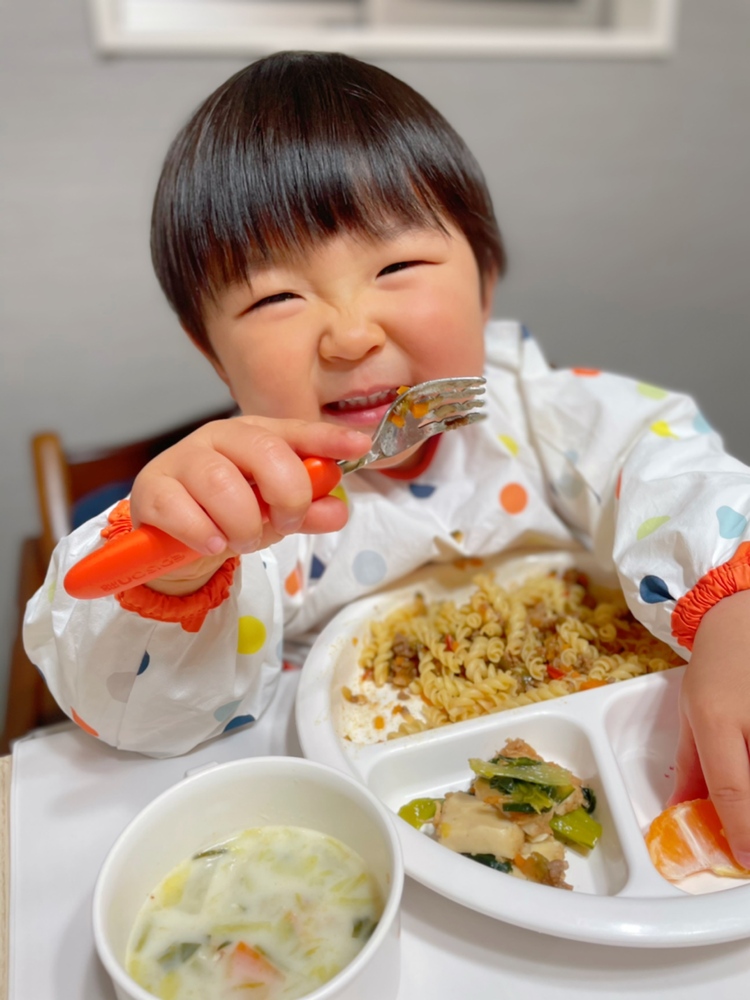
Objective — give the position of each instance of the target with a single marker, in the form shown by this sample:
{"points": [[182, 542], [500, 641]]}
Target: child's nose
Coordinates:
{"points": [[350, 336]]}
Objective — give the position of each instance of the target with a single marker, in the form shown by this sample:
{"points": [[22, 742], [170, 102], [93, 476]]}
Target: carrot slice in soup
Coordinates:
{"points": [[249, 969], [688, 838]]}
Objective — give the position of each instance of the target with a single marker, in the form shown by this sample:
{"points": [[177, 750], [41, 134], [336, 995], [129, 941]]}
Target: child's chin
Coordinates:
{"points": [[403, 461]]}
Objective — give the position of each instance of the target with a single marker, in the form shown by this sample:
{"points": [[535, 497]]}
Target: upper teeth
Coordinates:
{"points": [[354, 402]]}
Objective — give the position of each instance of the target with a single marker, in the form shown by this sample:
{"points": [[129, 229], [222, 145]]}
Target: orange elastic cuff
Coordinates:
{"points": [[188, 611], [723, 581]]}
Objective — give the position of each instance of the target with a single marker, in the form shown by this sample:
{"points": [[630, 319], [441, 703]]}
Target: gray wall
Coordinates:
{"points": [[621, 188]]}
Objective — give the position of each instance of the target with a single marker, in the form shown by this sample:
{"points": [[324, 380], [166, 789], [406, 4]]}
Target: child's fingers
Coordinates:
{"points": [[272, 462], [326, 514], [724, 755], [689, 780], [303, 437], [223, 469], [166, 504]]}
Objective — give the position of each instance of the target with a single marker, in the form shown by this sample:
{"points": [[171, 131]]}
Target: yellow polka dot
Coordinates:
{"points": [[51, 591], [652, 391], [510, 443], [649, 526], [251, 634], [340, 493], [662, 428]]}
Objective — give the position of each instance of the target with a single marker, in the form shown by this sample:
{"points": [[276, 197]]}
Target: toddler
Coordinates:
{"points": [[324, 237]]}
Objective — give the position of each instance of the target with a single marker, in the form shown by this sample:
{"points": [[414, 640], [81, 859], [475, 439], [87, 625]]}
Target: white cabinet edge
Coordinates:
{"points": [[111, 37]]}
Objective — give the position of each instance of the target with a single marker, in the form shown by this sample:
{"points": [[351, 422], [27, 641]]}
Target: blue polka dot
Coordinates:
{"points": [[569, 486], [525, 333], [144, 664], [572, 456], [421, 491], [701, 425], [369, 567], [317, 568], [732, 524], [222, 714], [237, 721], [654, 590]]}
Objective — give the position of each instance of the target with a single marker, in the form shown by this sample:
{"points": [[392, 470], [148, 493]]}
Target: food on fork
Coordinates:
{"points": [[418, 413], [517, 817], [688, 838]]}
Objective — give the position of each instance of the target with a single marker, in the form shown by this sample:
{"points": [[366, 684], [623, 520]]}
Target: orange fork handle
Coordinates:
{"points": [[147, 552]]}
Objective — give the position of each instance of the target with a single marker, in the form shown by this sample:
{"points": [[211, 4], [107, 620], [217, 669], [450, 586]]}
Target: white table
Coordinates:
{"points": [[71, 796]]}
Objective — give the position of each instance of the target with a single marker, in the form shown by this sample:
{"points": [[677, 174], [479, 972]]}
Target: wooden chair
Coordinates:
{"points": [[71, 486]]}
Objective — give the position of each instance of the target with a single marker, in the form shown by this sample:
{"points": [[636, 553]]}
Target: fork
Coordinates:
{"points": [[417, 414]]}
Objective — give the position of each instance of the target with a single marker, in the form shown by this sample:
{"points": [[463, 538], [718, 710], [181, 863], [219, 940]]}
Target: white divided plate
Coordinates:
{"points": [[620, 739]]}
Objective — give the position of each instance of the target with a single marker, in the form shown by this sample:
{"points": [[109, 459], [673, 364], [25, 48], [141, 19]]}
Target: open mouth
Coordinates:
{"points": [[362, 404]]}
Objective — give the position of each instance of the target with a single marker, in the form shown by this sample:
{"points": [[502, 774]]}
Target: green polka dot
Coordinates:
{"points": [[251, 634], [649, 526], [51, 591], [510, 443], [652, 391]]}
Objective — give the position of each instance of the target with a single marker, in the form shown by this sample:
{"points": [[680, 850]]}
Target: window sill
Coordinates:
{"points": [[183, 33]]}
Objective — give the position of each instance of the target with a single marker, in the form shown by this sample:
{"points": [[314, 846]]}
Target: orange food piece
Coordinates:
{"points": [[591, 683], [249, 969], [688, 838]]}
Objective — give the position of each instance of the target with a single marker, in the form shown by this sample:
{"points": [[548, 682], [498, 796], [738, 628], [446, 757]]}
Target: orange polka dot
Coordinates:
{"points": [[293, 583], [513, 498], [618, 487], [586, 371], [84, 725]]}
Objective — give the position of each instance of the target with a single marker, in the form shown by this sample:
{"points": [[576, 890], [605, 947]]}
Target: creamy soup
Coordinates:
{"points": [[272, 914]]}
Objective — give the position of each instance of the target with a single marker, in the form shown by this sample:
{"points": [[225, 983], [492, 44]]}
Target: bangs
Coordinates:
{"points": [[294, 150]]}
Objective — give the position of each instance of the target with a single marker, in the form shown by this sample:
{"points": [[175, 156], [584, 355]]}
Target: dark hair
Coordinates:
{"points": [[293, 149]]}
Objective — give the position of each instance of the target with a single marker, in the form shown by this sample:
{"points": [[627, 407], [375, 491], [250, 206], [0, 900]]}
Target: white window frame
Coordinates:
{"points": [[644, 29]]}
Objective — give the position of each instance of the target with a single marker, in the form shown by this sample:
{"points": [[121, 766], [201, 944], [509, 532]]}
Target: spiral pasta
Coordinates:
{"points": [[548, 637]]}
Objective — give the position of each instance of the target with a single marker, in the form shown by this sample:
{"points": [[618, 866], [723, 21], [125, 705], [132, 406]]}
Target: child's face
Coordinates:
{"points": [[332, 334]]}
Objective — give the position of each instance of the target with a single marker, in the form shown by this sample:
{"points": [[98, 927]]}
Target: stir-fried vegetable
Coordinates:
{"points": [[578, 828], [517, 817], [419, 811]]}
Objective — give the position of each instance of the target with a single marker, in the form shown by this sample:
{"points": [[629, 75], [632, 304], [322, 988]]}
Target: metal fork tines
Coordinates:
{"points": [[419, 413]]}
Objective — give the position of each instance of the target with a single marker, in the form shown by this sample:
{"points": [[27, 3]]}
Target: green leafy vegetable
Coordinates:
{"points": [[577, 828], [178, 953], [499, 864], [536, 771], [589, 799]]}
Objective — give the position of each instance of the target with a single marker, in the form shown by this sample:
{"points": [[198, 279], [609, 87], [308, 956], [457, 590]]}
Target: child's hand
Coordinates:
{"points": [[712, 751], [199, 491]]}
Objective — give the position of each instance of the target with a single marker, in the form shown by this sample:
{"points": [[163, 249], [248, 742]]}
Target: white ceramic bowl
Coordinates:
{"points": [[222, 800]]}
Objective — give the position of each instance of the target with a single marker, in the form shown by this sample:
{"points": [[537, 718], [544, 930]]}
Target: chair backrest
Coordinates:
{"points": [[73, 486]]}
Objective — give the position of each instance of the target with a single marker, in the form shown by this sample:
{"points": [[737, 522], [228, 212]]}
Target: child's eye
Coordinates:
{"points": [[271, 299], [399, 266]]}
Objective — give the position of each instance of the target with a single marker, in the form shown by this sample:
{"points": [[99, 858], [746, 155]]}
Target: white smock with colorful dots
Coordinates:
{"points": [[630, 470]]}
